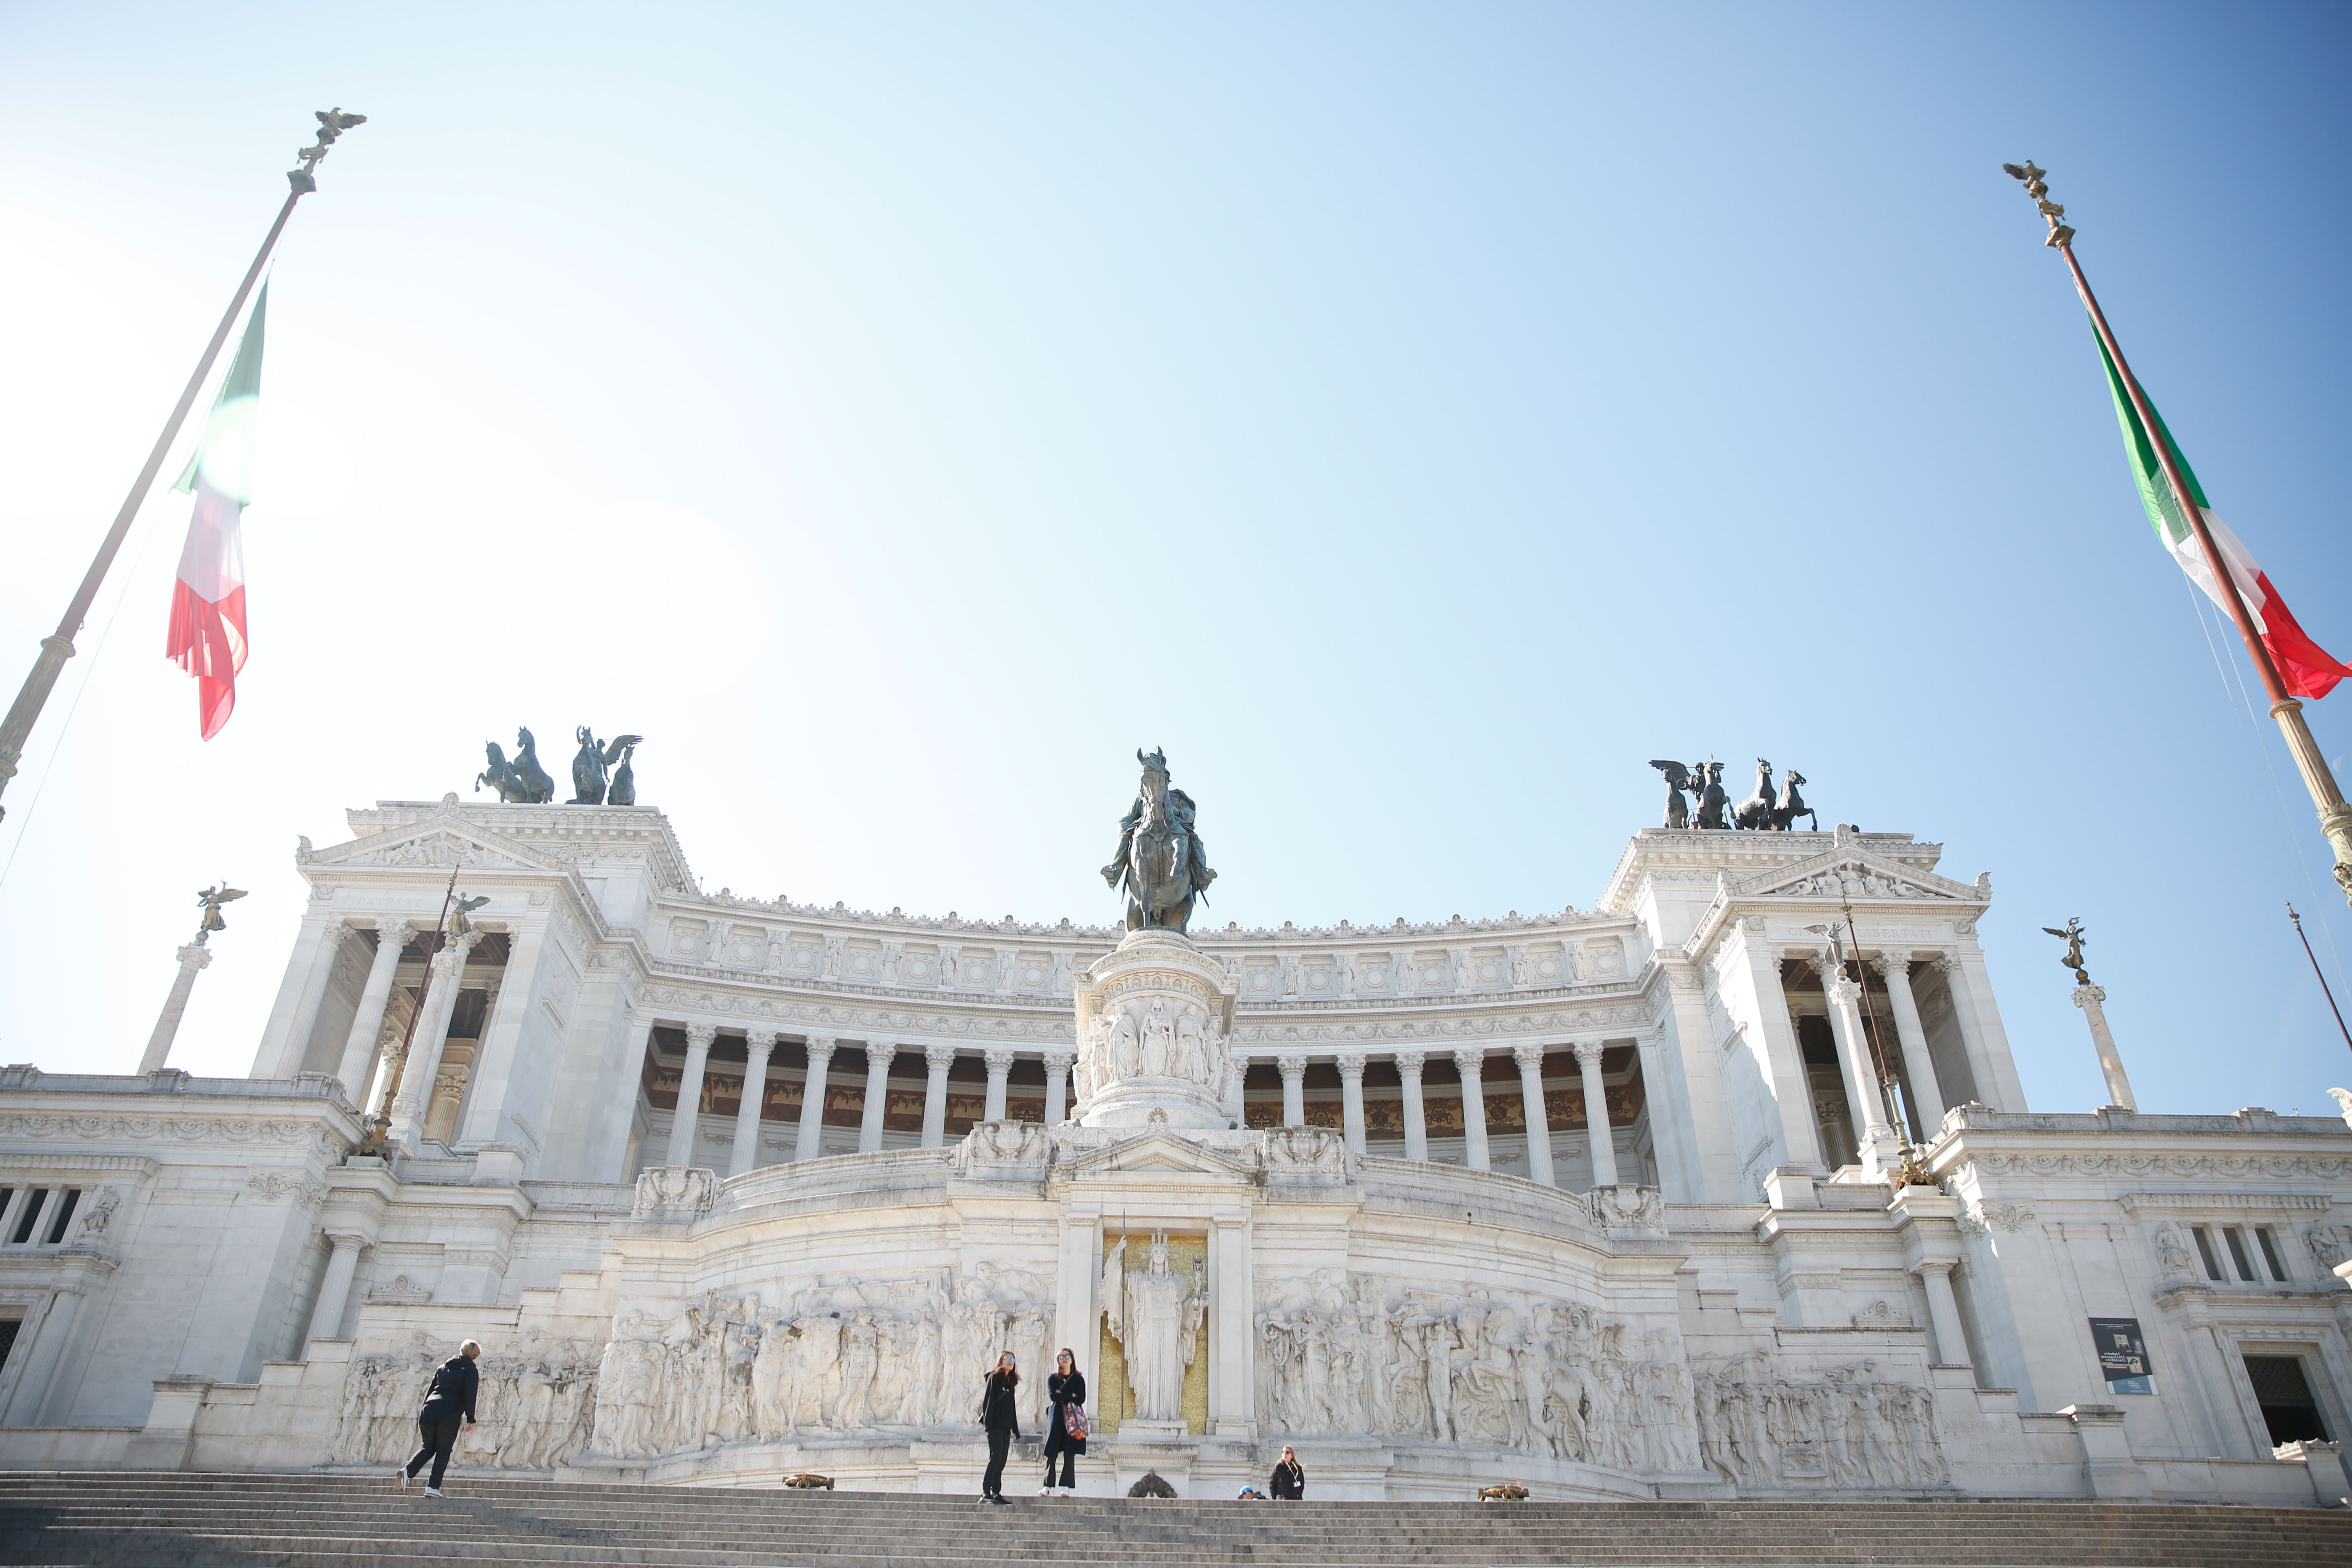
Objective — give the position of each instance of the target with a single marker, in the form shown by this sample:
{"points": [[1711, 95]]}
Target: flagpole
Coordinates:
{"points": [[2334, 817], [59, 647]]}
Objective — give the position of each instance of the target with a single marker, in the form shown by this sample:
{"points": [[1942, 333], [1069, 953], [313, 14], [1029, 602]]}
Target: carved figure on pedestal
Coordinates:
{"points": [[1156, 1316], [1160, 864], [2075, 937], [212, 899]]}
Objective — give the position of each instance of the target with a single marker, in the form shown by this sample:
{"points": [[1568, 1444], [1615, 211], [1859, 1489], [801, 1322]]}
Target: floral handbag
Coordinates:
{"points": [[1073, 1423]]}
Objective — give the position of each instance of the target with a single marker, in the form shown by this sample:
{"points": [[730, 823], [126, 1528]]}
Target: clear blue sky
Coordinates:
{"points": [[1413, 418]]}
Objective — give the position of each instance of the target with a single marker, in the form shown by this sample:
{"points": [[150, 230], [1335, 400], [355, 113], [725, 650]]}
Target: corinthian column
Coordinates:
{"points": [[335, 1286], [1417, 1122], [1600, 1143], [811, 1131], [360, 1045], [195, 956], [1530, 1061], [1864, 1094], [1000, 1066], [939, 1058], [2111, 1062], [757, 1047], [444, 976], [1292, 1068], [1351, 1100], [1058, 1078], [878, 1054], [1894, 965], [689, 1094], [1467, 1061]]}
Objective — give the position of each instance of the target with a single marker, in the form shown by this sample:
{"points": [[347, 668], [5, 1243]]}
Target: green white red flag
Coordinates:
{"points": [[208, 632], [2307, 670]]}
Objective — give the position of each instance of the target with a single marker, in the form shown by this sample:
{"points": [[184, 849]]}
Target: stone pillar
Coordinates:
{"points": [[1972, 1033], [1351, 1100], [939, 1058], [195, 956], [757, 1046], [1416, 1124], [1598, 1137], [44, 1355], [1944, 1314], [820, 1057], [999, 1064], [1077, 1318], [286, 1039], [1292, 1068], [1778, 1058], [1927, 1096], [878, 1054], [2087, 997], [1530, 1059], [444, 978], [1233, 1343], [1058, 1080], [689, 1094], [1865, 1101], [334, 1286], [1467, 1061], [367, 1024]]}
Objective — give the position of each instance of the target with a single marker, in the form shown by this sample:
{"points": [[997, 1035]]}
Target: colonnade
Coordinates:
{"points": [[1470, 1062]]}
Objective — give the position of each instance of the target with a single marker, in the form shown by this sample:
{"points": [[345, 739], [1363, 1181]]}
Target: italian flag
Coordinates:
{"points": [[2307, 670], [207, 633]]}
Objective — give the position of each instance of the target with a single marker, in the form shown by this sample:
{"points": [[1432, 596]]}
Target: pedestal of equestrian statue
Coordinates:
{"points": [[1155, 1024]]}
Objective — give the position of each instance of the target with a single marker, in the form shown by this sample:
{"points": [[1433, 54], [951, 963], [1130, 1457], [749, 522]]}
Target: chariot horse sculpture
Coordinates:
{"points": [[1161, 864]]}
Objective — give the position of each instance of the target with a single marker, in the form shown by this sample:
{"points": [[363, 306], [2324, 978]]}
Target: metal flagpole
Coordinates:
{"points": [[2334, 817], [2324, 988], [59, 647]]}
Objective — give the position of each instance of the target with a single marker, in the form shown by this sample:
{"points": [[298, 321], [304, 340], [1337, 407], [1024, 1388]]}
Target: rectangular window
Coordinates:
{"points": [[65, 1207], [2205, 1251], [8, 1327], [29, 1217], [2270, 1252], [2288, 1408], [2238, 1254]]}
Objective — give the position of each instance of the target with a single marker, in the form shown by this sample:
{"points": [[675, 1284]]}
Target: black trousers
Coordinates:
{"points": [[1000, 1444], [440, 1435], [1056, 1443]]}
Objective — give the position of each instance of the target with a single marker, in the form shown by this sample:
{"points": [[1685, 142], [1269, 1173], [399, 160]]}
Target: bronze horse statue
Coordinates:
{"points": [[1161, 862], [501, 777], [1792, 805], [538, 788], [1755, 811]]}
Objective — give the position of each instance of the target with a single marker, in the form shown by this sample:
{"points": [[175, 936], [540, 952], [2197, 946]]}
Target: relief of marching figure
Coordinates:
{"points": [[1486, 1370], [1849, 1430], [906, 1353], [533, 1407]]}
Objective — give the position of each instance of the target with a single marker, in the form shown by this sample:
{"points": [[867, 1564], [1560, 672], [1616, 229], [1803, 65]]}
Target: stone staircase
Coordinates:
{"points": [[148, 1520]]}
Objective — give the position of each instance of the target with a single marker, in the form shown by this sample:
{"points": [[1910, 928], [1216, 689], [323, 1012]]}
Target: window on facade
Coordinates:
{"points": [[29, 1217], [2288, 1408], [2270, 1252], [65, 1207], [2205, 1251], [8, 1327], [2238, 1254]]}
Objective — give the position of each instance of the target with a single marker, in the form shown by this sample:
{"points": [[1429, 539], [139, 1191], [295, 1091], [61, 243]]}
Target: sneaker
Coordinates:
{"points": [[432, 1491], [999, 1499], [1069, 1491], [1045, 1492]]}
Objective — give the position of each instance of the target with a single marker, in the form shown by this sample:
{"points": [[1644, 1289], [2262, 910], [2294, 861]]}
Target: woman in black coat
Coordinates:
{"points": [[1003, 1423], [1290, 1481], [1065, 1390]]}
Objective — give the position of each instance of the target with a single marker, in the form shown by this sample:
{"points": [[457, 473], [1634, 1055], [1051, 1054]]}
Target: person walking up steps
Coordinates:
{"points": [[1065, 1423], [448, 1410], [1001, 1421]]}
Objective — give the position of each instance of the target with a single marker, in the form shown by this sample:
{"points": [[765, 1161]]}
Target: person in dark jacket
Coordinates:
{"points": [[1289, 1480], [1003, 1423], [1064, 1389], [448, 1410]]}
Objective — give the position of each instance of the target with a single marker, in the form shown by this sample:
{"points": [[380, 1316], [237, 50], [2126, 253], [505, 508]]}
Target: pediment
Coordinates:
{"points": [[1856, 875], [443, 846], [1156, 1154]]}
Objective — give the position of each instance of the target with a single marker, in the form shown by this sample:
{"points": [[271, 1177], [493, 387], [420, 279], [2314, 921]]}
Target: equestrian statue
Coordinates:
{"points": [[1160, 863], [1703, 782]]}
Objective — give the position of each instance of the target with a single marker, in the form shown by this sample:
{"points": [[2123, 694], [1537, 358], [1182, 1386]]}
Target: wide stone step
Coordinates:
{"points": [[172, 1520]]}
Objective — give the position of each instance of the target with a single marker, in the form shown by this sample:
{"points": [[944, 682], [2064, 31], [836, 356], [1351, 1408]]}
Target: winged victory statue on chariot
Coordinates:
{"points": [[1703, 782]]}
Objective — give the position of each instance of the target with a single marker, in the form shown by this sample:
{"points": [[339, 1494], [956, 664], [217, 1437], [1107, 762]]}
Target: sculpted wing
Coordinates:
{"points": [[1677, 775]]}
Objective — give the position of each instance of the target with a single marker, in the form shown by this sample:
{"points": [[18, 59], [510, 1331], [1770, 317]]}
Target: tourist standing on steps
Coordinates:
{"points": [[1290, 1481], [448, 1410], [1066, 1396], [1003, 1423]]}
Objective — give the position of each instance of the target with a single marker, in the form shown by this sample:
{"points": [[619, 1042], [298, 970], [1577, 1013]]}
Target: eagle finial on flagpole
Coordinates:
{"points": [[333, 123]]}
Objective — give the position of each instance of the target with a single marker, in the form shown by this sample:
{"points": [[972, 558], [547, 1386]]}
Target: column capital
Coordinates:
{"points": [[939, 1058], [1529, 1057], [760, 1042], [1928, 1267], [1588, 1052], [344, 1240], [880, 1053], [1410, 1063], [699, 1035], [1469, 1061], [999, 1058], [396, 931], [1292, 1065], [196, 955], [2085, 995], [820, 1047], [1352, 1063], [1060, 1061], [1844, 992], [1944, 963], [1892, 962], [467, 942]]}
